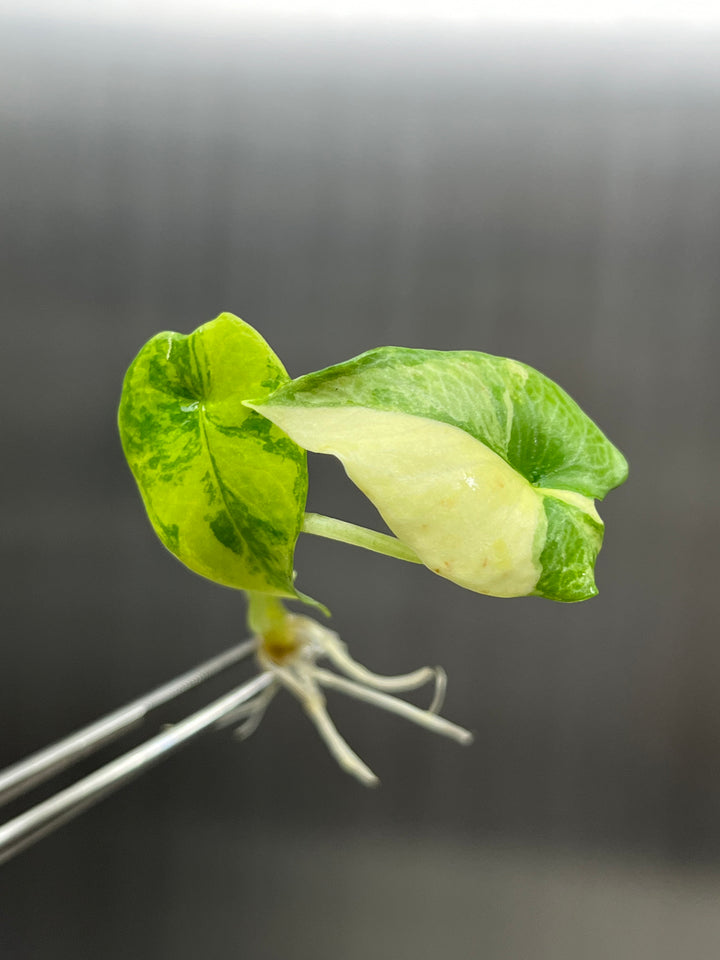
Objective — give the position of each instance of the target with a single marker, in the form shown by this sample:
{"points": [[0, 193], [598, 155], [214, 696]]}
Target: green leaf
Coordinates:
{"points": [[224, 488], [483, 466]]}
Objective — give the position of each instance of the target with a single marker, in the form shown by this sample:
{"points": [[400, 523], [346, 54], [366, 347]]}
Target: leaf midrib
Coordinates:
{"points": [[202, 415]]}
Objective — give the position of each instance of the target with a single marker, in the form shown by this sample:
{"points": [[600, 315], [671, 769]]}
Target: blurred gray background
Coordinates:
{"points": [[551, 195]]}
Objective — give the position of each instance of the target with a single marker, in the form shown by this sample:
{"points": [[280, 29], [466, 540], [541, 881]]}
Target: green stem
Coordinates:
{"points": [[265, 613], [345, 532]]}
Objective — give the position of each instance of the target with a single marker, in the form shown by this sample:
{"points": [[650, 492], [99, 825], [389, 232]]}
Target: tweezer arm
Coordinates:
{"points": [[40, 766], [44, 818]]}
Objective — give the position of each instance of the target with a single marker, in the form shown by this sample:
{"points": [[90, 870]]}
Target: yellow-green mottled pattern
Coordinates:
{"points": [[506, 511], [225, 489]]}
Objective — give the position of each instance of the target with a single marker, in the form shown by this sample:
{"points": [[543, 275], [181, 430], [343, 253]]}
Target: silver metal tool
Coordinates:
{"points": [[24, 830]]}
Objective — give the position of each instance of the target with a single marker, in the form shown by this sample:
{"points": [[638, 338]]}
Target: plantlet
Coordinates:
{"points": [[483, 468]]}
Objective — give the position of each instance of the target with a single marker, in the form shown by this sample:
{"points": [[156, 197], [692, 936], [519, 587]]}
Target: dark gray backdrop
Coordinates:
{"points": [[552, 196]]}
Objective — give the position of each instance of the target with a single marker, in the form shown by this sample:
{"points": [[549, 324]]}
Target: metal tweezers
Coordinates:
{"points": [[24, 830]]}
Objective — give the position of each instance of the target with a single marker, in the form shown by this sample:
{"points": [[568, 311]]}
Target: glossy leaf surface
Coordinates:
{"points": [[224, 488], [482, 465]]}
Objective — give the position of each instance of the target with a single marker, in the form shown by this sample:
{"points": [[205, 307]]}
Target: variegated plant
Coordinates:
{"points": [[484, 469]]}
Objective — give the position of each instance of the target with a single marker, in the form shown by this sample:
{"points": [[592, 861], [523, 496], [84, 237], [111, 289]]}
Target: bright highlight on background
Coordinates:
{"points": [[175, 13]]}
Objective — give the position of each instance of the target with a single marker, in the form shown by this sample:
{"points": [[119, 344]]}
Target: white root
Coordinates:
{"points": [[328, 644], [296, 670], [394, 705]]}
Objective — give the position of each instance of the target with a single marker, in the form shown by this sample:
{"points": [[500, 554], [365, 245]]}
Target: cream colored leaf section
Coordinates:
{"points": [[586, 504], [467, 514]]}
